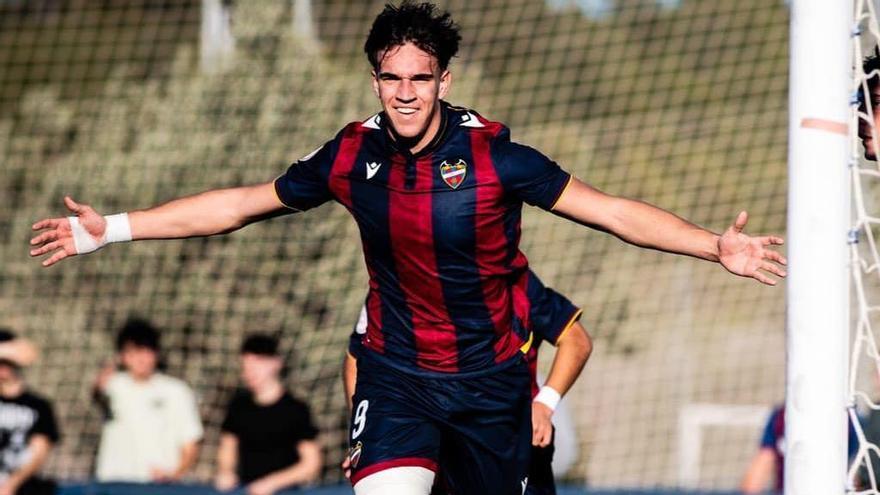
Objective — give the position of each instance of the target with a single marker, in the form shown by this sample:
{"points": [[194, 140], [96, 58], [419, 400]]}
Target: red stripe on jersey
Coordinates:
{"points": [[412, 245], [492, 247], [344, 163]]}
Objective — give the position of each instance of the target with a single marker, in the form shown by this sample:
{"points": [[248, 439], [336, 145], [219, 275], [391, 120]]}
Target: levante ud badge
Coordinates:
{"points": [[453, 175]]}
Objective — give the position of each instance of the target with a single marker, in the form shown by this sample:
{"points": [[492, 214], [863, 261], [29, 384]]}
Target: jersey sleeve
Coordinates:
{"points": [[768, 439], [305, 185], [231, 423], [550, 313], [46, 423], [305, 425], [525, 173]]}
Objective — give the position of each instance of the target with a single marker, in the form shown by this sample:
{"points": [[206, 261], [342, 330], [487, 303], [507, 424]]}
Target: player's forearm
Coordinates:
{"points": [[305, 471], [227, 454], [188, 455], [573, 351], [648, 226], [208, 213], [38, 448], [349, 378]]}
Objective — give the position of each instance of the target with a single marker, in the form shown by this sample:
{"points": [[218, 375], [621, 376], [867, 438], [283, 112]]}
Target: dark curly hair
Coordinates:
{"points": [[421, 24], [872, 63]]}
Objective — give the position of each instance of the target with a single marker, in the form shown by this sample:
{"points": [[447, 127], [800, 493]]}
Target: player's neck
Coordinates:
{"points": [[268, 393]]}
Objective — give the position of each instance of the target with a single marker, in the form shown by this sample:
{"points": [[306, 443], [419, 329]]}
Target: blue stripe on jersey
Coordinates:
{"points": [[370, 206], [454, 226]]}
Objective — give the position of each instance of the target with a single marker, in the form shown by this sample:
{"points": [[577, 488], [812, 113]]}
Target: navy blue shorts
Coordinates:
{"points": [[482, 426], [541, 480]]}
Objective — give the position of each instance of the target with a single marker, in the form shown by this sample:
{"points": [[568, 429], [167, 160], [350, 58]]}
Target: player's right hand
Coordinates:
{"points": [[542, 426], [56, 236]]}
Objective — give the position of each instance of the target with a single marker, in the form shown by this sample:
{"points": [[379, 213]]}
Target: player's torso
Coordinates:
{"points": [[440, 239]]}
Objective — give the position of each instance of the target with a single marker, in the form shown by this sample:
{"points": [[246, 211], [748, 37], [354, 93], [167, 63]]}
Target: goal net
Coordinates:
{"points": [[864, 390], [126, 103]]}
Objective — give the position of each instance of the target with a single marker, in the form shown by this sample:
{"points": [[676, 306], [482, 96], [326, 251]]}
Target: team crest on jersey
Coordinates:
{"points": [[354, 454], [453, 175]]}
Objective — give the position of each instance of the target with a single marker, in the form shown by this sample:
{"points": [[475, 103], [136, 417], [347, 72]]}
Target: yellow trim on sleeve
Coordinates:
{"points": [[528, 345], [275, 189], [568, 183], [571, 321]]}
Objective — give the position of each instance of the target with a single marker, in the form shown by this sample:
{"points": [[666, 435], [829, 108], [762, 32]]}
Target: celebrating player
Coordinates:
{"points": [[437, 193]]}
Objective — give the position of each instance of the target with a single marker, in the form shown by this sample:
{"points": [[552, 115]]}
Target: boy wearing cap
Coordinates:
{"points": [[28, 429]]}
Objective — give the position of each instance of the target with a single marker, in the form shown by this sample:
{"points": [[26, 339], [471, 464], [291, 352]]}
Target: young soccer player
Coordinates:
{"points": [[437, 192]]}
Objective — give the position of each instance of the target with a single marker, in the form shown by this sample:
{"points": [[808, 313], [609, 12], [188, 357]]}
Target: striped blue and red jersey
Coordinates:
{"points": [[440, 231], [545, 313]]}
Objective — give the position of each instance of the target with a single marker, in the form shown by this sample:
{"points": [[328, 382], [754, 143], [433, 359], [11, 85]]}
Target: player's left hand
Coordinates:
{"points": [[747, 256], [542, 427]]}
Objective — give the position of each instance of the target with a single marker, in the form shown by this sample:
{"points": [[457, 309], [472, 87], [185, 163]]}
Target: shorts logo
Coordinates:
{"points": [[524, 483], [453, 175], [354, 454]]}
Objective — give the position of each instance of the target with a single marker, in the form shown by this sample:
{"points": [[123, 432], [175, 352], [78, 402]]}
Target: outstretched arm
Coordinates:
{"points": [[208, 213], [648, 226]]}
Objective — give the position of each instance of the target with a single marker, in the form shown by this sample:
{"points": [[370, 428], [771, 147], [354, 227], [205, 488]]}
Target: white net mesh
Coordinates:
{"points": [[681, 103], [864, 472]]}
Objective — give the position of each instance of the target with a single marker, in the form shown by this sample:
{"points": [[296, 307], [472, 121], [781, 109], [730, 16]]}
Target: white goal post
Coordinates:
{"points": [[818, 222]]}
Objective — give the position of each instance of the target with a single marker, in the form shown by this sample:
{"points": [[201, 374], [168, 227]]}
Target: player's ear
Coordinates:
{"points": [[445, 82], [375, 82]]}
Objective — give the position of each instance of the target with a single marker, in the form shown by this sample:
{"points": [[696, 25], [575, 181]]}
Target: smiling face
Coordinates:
{"points": [[410, 85]]}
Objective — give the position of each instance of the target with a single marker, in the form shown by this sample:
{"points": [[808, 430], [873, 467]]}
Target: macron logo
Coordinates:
{"points": [[372, 168]]}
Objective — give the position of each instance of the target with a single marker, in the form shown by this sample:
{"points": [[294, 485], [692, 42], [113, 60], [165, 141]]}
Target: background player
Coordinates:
{"points": [[550, 317], [424, 301]]}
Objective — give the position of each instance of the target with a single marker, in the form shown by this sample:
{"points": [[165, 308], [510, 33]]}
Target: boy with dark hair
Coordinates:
{"points": [[28, 429], [152, 430], [268, 442], [437, 192]]}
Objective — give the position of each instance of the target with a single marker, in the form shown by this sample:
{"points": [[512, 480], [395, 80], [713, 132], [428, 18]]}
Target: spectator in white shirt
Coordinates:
{"points": [[152, 431]]}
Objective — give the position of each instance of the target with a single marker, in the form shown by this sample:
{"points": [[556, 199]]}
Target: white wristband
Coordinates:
{"points": [[118, 230], [548, 397]]}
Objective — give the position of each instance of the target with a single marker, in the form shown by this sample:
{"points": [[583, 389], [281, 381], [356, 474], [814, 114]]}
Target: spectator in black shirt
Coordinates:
{"points": [[28, 429], [268, 442]]}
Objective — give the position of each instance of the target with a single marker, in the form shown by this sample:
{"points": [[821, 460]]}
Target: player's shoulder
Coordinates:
{"points": [[469, 120], [34, 400], [371, 124]]}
